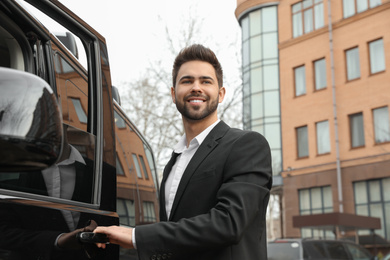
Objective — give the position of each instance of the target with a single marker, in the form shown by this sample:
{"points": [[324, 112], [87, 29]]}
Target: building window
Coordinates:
{"points": [[126, 212], [323, 138], [381, 124], [82, 116], [141, 158], [119, 168], [320, 74], [373, 199], [356, 130], [377, 56], [137, 167], [149, 213], [302, 142], [353, 63], [352, 7], [307, 15], [317, 200], [300, 81]]}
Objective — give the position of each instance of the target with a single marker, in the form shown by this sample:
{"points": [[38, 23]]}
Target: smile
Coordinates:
{"points": [[196, 101]]}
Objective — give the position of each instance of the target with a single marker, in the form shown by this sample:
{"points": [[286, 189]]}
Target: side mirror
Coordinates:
{"points": [[30, 122]]}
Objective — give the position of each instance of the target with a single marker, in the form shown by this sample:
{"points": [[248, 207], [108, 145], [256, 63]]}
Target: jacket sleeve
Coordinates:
{"points": [[241, 200]]}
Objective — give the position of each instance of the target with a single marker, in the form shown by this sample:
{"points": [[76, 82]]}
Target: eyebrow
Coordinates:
{"points": [[192, 77]]}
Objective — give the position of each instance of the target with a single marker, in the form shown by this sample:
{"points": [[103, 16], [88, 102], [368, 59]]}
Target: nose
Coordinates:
{"points": [[196, 86]]}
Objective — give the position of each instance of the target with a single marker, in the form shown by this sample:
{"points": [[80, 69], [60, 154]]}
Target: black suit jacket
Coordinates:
{"points": [[220, 205]]}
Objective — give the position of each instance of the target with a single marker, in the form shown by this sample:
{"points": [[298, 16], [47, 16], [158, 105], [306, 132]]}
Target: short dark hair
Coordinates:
{"points": [[200, 53]]}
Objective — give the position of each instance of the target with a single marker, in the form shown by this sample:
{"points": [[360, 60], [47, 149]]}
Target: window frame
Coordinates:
{"points": [[301, 15], [375, 128], [323, 73], [382, 55], [348, 64], [350, 117], [298, 142], [304, 87], [328, 137]]}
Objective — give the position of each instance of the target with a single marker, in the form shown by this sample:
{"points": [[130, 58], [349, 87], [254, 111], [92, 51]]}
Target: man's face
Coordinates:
{"points": [[197, 94]]}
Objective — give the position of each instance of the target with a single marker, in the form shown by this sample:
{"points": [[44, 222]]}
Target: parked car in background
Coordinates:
{"points": [[304, 249]]}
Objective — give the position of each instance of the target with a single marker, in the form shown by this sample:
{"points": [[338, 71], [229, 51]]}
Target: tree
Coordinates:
{"points": [[148, 102]]}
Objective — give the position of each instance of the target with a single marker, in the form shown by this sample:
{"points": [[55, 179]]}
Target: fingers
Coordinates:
{"points": [[117, 235]]}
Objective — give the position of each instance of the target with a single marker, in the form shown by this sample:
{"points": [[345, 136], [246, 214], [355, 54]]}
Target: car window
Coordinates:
{"points": [[336, 250], [357, 252], [284, 250]]}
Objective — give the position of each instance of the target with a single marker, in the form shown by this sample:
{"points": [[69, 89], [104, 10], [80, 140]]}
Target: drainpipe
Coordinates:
{"points": [[336, 135]]}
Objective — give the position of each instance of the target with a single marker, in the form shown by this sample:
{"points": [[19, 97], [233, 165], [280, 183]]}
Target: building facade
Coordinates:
{"points": [[316, 83]]}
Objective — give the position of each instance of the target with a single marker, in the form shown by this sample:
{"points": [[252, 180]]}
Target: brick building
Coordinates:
{"points": [[316, 83]]}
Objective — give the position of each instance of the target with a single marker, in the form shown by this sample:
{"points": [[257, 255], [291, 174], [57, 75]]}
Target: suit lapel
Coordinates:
{"points": [[203, 151]]}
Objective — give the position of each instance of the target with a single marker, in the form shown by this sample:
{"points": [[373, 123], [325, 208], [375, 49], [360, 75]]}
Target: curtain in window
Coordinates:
{"points": [[353, 64], [377, 56], [297, 25], [374, 3], [320, 74], [357, 130], [362, 5], [348, 8], [308, 20], [300, 81], [303, 146], [381, 125], [323, 139], [319, 16]]}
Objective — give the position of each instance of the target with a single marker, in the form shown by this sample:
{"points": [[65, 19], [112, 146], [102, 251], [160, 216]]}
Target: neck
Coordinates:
{"points": [[192, 128]]}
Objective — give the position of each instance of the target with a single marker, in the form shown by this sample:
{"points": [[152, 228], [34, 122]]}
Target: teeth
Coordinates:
{"points": [[196, 101]]}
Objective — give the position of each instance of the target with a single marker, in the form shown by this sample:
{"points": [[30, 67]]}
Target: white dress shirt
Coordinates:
{"points": [[186, 154], [60, 180], [174, 177]]}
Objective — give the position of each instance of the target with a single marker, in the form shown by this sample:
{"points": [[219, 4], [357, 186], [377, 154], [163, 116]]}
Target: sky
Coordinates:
{"points": [[139, 25]]}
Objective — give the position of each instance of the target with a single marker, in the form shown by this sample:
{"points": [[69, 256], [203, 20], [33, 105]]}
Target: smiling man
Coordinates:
{"points": [[215, 188]]}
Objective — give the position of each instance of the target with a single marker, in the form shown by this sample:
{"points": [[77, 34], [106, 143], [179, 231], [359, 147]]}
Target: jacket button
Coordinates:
{"points": [[153, 257]]}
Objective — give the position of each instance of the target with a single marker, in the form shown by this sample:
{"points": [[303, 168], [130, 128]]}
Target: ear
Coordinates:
{"points": [[222, 92], [173, 95]]}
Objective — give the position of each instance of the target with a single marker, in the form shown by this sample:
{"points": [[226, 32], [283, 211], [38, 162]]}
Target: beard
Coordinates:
{"points": [[196, 112]]}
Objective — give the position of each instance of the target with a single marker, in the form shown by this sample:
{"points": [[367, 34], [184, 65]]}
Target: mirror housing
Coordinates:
{"points": [[30, 122]]}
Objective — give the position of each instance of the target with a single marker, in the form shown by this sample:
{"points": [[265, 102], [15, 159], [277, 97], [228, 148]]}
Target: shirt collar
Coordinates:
{"points": [[182, 144], [74, 156]]}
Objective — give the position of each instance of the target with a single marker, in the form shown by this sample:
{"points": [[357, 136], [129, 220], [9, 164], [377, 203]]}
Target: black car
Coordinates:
{"points": [[318, 249]]}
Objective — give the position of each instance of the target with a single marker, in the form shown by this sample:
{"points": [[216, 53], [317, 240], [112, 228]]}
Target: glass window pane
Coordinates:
{"points": [[256, 80], [348, 8], [316, 199], [328, 197], [255, 23], [245, 53], [357, 130], [308, 20], [302, 142], [377, 56], [257, 106], [362, 5], [360, 190], [141, 158], [297, 25], [270, 42], [374, 189], [271, 77], [137, 167], [269, 19], [386, 189], [320, 74], [245, 28], [300, 81], [319, 16], [272, 133], [271, 102], [323, 138], [381, 124], [304, 199], [353, 64], [374, 3], [256, 48]]}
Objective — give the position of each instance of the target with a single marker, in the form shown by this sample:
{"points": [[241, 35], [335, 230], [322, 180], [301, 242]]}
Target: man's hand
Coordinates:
{"points": [[69, 241], [117, 235]]}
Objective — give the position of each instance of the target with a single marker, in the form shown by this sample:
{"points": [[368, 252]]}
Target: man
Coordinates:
{"points": [[214, 196]]}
